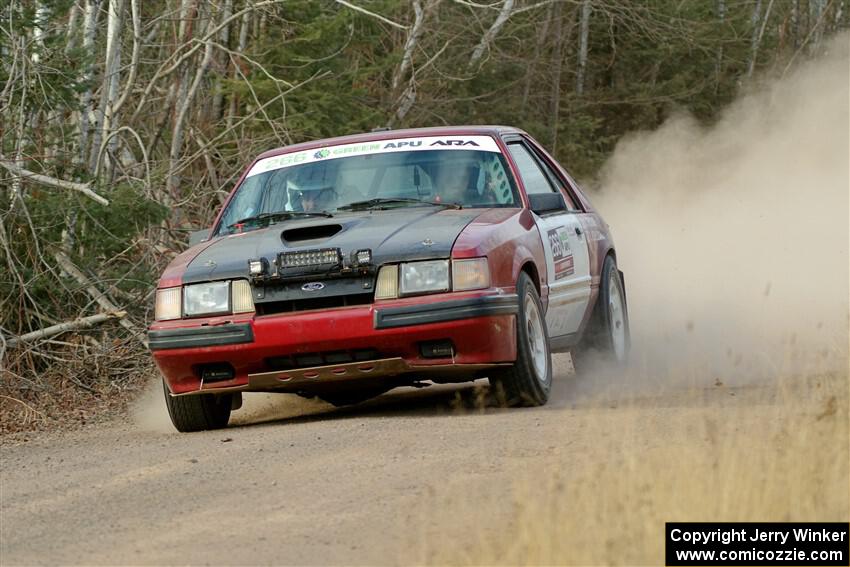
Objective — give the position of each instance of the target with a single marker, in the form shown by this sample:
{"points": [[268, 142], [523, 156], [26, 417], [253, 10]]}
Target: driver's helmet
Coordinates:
{"points": [[311, 188]]}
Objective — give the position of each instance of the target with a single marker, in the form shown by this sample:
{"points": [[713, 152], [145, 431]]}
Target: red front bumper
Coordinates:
{"points": [[480, 325]]}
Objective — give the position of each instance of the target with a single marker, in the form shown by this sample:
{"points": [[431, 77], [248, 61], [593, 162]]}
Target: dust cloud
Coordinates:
{"points": [[734, 237]]}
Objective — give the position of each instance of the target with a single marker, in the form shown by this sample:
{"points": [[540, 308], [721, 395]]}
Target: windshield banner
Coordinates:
{"points": [[479, 143]]}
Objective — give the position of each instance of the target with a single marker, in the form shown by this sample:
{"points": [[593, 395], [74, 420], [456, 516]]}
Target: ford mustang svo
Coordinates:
{"points": [[345, 267]]}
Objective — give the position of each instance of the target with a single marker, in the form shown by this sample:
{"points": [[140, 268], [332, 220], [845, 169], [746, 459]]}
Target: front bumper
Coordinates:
{"points": [[194, 337], [481, 326]]}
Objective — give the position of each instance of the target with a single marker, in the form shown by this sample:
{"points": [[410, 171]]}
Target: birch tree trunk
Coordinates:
{"points": [[490, 34], [134, 58], [89, 34], [404, 102], [817, 8], [224, 39], [584, 31], [183, 106], [111, 77], [71, 30], [758, 33], [529, 72], [409, 45], [41, 14], [557, 59], [718, 66], [244, 32], [795, 23]]}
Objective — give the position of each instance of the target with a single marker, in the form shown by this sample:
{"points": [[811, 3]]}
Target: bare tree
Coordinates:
{"points": [[404, 101], [758, 33], [557, 62], [492, 32], [538, 44], [111, 80], [584, 31], [718, 66], [89, 34], [224, 39]]}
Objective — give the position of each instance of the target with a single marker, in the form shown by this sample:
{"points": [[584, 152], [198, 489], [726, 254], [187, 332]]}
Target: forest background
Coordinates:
{"points": [[124, 124]]}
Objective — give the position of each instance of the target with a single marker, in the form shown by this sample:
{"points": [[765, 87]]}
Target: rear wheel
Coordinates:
{"points": [[198, 412], [528, 381], [608, 331]]}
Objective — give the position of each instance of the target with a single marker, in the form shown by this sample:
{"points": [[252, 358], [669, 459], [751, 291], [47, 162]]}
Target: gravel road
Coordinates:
{"points": [[418, 476]]}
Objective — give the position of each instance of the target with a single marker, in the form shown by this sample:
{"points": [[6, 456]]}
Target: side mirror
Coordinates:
{"points": [[198, 236], [542, 203]]}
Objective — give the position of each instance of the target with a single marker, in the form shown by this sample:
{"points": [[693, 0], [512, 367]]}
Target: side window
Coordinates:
{"points": [[533, 178], [556, 181]]}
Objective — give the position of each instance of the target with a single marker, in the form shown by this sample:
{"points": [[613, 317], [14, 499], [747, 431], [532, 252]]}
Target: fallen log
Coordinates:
{"points": [[76, 324]]}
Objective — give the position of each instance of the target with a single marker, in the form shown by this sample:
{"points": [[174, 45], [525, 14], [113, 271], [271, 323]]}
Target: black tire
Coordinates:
{"points": [[606, 323], [521, 384], [199, 412]]}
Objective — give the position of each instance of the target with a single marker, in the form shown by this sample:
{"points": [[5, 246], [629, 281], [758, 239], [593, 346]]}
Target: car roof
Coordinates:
{"points": [[393, 134]]}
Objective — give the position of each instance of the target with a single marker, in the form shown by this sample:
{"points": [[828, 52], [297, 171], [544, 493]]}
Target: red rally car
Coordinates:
{"points": [[345, 267]]}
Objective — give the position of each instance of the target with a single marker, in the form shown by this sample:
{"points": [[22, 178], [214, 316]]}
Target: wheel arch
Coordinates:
{"points": [[529, 268]]}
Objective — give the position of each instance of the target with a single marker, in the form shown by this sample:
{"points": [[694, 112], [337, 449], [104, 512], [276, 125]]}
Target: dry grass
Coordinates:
{"points": [[774, 454]]}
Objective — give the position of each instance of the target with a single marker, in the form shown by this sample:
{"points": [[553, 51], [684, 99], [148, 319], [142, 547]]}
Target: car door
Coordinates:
{"points": [[564, 245]]}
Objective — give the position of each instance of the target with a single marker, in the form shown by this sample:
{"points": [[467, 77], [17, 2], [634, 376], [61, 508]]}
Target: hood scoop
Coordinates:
{"points": [[316, 232]]}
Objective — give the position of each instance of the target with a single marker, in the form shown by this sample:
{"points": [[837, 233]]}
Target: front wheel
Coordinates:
{"points": [[198, 412], [528, 381]]}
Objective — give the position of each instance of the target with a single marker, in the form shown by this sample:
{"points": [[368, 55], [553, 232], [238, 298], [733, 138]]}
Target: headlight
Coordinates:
{"points": [[470, 274], [206, 298], [424, 277], [167, 304], [431, 276]]}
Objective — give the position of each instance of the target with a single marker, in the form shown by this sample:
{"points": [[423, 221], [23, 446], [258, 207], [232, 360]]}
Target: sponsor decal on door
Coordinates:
{"points": [[562, 254]]}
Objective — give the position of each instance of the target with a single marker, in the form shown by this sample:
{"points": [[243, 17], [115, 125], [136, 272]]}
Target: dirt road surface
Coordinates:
{"points": [[433, 475]]}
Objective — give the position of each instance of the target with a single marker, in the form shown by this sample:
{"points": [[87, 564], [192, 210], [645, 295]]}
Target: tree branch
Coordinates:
{"points": [[371, 14], [53, 330], [84, 188]]}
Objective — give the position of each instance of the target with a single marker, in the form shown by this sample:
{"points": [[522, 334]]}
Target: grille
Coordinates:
{"points": [[321, 358], [293, 305]]}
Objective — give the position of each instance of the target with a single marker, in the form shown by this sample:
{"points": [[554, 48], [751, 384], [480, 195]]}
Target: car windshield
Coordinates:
{"points": [[373, 176]]}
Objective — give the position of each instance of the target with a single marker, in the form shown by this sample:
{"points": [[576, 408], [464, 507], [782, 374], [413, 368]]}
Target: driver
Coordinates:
{"points": [[452, 180], [311, 190], [316, 199]]}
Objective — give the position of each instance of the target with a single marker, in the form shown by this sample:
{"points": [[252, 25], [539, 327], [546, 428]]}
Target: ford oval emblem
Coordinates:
{"points": [[313, 286]]}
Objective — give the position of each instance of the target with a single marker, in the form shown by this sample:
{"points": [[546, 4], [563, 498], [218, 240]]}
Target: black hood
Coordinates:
{"points": [[411, 233]]}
